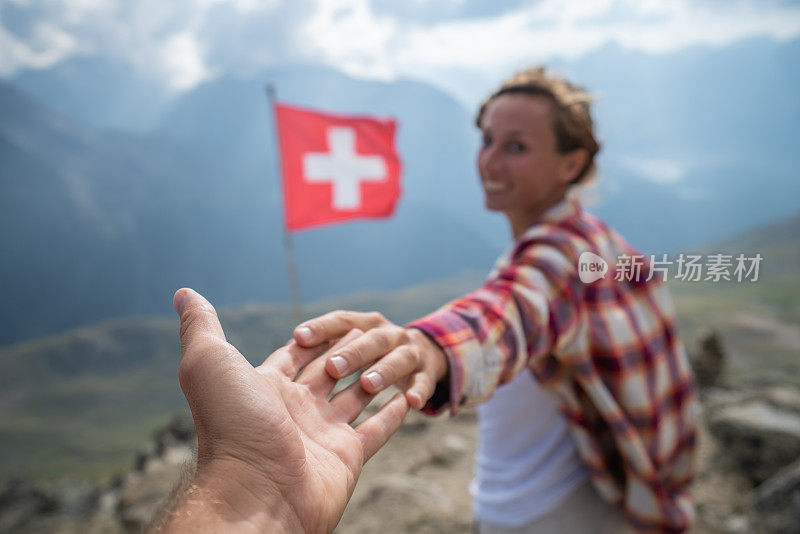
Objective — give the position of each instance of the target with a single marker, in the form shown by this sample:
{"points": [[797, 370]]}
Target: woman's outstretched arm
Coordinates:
{"points": [[465, 349]]}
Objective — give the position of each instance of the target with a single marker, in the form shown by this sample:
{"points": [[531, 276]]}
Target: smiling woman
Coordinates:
{"points": [[538, 140], [587, 405]]}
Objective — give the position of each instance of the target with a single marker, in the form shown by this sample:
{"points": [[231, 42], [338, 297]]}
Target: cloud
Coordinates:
{"points": [[241, 36], [135, 33], [348, 34], [660, 171], [464, 46], [426, 13], [466, 50], [45, 45], [182, 62]]}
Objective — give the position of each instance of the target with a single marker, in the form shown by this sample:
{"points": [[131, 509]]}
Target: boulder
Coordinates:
{"points": [[759, 431], [777, 502], [21, 502], [449, 450], [179, 431], [142, 495], [404, 503], [708, 358]]}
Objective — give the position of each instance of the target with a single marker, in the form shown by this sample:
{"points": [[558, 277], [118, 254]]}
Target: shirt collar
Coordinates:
{"points": [[566, 208]]}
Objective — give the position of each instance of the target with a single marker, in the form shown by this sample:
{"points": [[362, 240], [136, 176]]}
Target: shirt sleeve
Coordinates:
{"points": [[519, 318]]}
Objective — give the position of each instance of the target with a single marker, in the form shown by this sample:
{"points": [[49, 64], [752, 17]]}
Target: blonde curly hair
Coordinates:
{"points": [[572, 119]]}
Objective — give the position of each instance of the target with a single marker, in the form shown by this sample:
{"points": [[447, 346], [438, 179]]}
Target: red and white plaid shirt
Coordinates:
{"points": [[609, 350]]}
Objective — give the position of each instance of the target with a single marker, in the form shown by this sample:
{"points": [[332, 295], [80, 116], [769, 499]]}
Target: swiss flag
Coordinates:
{"points": [[336, 167]]}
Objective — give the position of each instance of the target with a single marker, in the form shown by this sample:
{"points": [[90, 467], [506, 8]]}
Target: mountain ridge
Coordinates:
{"points": [[103, 223]]}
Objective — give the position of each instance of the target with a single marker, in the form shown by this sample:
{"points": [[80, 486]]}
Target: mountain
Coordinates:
{"points": [[106, 224], [102, 93], [80, 213], [113, 196], [698, 143]]}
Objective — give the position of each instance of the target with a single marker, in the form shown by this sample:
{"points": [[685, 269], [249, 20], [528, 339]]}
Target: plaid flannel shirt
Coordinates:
{"points": [[609, 350]]}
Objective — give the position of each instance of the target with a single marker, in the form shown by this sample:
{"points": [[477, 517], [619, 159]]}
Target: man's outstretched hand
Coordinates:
{"points": [[274, 454]]}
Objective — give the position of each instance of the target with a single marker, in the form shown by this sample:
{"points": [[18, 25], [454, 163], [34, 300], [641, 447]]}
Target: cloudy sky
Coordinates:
{"points": [[462, 46]]}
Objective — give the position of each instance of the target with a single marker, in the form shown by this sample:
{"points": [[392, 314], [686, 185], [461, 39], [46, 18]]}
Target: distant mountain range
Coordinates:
{"points": [[103, 224], [115, 194]]}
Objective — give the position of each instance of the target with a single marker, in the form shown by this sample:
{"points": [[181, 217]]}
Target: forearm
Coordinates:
{"points": [[210, 504], [484, 342]]}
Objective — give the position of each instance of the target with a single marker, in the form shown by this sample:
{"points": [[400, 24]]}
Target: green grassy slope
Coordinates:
{"points": [[84, 401], [759, 321]]}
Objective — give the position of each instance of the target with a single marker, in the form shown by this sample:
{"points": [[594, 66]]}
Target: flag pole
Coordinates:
{"points": [[288, 243]]}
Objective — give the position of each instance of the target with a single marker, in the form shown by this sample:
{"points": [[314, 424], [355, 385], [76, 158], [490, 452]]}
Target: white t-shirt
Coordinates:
{"points": [[526, 463]]}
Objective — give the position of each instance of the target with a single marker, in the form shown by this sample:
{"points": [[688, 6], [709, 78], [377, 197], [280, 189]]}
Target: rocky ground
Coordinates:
{"points": [[748, 478]]}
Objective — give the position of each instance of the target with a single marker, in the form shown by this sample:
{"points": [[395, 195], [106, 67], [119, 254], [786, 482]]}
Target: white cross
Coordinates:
{"points": [[343, 167]]}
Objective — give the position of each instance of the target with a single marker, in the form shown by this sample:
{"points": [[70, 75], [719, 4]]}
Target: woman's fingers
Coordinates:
{"points": [[335, 324], [399, 363], [371, 346], [291, 358], [314, 375], [421, 389]]}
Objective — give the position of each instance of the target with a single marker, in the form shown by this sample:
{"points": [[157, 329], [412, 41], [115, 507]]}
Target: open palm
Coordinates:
{"points": [[274, 431]]}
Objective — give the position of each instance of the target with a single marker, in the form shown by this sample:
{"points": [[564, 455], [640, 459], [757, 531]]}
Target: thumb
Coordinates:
{"points": [[198, 317]]}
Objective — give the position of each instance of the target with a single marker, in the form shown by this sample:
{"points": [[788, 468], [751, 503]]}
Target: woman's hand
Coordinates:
{"points": [[404, 356]]}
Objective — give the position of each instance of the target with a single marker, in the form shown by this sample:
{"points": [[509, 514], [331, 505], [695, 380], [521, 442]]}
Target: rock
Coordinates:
{"points": [[760, 436], [737, 524], [785, 397], [125, 504], [143, 491], [407, 492], [449, 450], [21, 502], [143, 455], [16, 489], [442, 454], [780, 396], [141, 496], [175, 456], [179, 431], [777, 502], [708, 358], [414, 423], [107, 503], [405, 503], [157, 470]]}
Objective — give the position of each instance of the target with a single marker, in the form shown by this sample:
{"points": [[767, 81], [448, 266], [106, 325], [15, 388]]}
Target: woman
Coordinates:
{"points": [[588, 402]]}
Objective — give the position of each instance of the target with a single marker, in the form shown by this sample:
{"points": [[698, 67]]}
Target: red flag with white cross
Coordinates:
{"points": [[336, 167]]}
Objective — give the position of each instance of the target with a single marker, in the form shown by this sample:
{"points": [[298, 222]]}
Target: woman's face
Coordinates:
{"points": [[522, 172]]}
